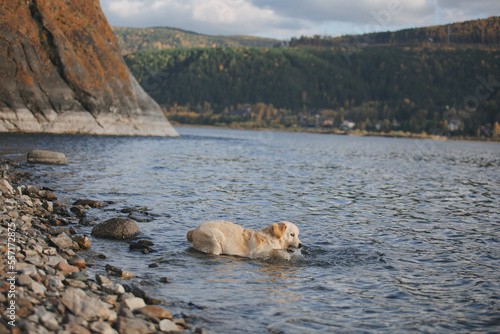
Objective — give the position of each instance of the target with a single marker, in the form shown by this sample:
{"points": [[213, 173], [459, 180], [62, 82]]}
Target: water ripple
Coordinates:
{"points": [[402, 235]]}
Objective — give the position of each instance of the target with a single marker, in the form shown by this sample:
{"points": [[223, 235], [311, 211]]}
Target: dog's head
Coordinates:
{"points": [[287, 233]]}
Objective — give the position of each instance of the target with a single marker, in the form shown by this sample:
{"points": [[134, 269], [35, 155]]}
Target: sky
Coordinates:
{"points": [[284, 19]]}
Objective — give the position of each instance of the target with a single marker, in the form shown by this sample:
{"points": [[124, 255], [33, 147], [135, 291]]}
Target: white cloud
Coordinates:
{"points": [[288, 18], [126, 8]]}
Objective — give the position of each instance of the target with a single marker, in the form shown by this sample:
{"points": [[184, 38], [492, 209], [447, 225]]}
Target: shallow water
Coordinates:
{"points": [[402, 235]]}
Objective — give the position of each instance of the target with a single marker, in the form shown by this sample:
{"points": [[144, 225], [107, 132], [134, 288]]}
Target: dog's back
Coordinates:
{"points": [[223, 237]]}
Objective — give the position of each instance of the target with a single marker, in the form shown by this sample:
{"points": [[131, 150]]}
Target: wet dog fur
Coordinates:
{"points": [[223, 237]]}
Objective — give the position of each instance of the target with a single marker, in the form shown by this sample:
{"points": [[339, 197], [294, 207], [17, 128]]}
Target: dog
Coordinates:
{"points": [[222, 237]]}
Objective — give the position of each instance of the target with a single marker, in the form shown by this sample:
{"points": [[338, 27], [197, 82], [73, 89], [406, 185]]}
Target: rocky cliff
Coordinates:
{"points": [[61, 72]]}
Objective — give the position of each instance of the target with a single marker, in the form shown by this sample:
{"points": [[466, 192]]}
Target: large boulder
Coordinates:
{"points": [[116, 228], [61, 71], [46, 157]]}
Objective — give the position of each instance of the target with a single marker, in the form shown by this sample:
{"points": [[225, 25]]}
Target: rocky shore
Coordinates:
{"points": [[45, 285]]}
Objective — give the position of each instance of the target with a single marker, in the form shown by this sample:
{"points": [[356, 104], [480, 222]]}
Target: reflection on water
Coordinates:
{"points": [[402, 235]]}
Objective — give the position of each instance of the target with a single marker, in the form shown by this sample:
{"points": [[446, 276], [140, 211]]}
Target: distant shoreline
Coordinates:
{"points": [[392, 134]]}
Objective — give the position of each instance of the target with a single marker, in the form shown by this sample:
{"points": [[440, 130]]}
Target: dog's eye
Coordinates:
{"points": [[292, 234]]}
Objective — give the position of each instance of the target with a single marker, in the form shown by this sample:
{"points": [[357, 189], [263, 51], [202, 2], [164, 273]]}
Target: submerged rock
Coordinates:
{"points": [[116, 228], [82, 241], [88, 202], [46, 157]]}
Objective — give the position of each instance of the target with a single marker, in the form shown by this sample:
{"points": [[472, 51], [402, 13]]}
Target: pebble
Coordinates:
{"points": [[101, 327], [53, 291], [80, 304], [118, 272], [133, 303], [76, 329], [152, 311], [79, 276], [66, 268], [89, 203], [113, 288], [48, 319], [134, 326], [62, 241], [102, 279], [79, 211], [54, 284], [37, 288], [76, 283], [77, 262], [167, 325], [82, 241]]}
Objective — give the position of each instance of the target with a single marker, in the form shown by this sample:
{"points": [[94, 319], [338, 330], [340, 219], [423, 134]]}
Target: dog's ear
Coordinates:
{"points": [[279, 229]]}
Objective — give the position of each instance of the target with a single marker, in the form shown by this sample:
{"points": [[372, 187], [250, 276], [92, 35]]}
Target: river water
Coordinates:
{"points": [[402, 235]]}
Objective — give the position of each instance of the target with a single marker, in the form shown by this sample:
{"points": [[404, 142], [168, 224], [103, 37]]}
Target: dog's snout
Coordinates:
{"points": [[301, 245]]}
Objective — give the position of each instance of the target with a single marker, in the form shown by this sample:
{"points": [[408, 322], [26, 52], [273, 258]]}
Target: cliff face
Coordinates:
{"points": [[61, 71]]}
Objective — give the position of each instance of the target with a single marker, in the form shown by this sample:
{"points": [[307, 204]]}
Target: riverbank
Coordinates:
{"points": [[46, 285]]}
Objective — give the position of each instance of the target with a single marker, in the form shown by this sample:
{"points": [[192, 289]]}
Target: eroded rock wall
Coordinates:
{"points": [[61, 71]]}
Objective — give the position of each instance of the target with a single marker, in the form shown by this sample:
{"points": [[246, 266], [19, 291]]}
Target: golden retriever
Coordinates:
{"points": [[223, 237]]}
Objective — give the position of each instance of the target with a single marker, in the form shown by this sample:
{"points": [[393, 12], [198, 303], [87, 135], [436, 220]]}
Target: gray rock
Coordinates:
{"points": [[62, 241], [116, 289], [74, 328], [31, 189], [168, 325], [47, 205], [116, 228], [48, 319], [6, 187], [80, 304], [75, 283], [24, 279], [37, 288], [79, 276], [54, 284], [46, 157], [82, 241], [79, 211], [133, 303], [102, 279], [35, 260], [89, 203], [140, 217], [134, 326], [101, 327], [125, 312]]}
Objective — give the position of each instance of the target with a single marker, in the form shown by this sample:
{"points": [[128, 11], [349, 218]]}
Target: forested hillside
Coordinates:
{"points": [[159, 38], [379, 88], [443, 79], [484, 33]]}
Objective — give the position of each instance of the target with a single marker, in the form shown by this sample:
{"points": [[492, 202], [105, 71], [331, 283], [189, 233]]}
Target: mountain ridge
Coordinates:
{"points": [[471, 33], [138, 39], [160, 38]]}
